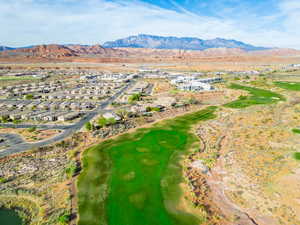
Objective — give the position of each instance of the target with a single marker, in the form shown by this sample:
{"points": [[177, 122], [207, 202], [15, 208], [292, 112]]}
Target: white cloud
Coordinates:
{"points": [[26, 22]]}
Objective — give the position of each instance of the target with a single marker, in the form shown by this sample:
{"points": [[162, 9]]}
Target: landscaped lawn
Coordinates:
{"points": [[257, 96], [291, 86], [134, 179]]}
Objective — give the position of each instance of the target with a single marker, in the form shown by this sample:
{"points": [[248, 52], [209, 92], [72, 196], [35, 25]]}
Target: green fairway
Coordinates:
{"points": [[134, 179], [291, 86], [296, 131], [257, 96], [297, 155]]}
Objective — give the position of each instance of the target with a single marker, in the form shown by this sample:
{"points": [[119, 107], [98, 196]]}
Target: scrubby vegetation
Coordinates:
{"points": [[134, 98], [88, 126], [64, 219], [29, 96], [102, 122], [34, 183], [31, 129]]}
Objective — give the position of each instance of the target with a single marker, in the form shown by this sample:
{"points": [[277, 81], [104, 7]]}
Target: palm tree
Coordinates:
{"points": [[124, 114]]}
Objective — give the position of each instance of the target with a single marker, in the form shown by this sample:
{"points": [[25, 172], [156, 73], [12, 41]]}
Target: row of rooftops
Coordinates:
{"points": [[47, 105], [43, 115]]}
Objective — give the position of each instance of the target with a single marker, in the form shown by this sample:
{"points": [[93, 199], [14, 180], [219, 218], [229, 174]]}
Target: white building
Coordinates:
{"points": [[110, 115], [195, 86]]}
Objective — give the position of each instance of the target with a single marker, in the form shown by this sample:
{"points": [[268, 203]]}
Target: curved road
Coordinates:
{"points": [[68, 130]]}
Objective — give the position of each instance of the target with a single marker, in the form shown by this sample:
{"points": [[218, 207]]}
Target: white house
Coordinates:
{"points": [[195, 86], [109, 115]]}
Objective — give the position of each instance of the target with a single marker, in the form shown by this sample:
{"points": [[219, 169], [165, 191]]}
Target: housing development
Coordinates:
{"points": [[198, 126], [50, 118]]}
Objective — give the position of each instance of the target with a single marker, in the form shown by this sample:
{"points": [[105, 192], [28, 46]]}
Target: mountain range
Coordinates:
{"points": [[141, 47], [158, 42], [185, 43], [5, 48]]}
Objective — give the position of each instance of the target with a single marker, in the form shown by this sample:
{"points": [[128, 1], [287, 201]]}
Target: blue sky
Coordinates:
{"points": [[258, 22]]}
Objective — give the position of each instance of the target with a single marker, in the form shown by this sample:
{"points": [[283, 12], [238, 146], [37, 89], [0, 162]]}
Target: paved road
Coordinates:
{"points": [[39, 126], [68, 130], [11, 139]]}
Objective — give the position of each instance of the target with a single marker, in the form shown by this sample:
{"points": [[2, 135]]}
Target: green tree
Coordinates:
{"points": [[102, 121], [134, 98], [31, 129], [193, 101], [28, 96], [148, 109], [71, 169], [88, 126], [111, 121], [4, 119], [16, 121], [64, 219], [124, 114], [2, 180]]}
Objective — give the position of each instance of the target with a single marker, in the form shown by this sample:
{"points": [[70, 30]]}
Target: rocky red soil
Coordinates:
{"points": [[46, 51], [96, 53]]}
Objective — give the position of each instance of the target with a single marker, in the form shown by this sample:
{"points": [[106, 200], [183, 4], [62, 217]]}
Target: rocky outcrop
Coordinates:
{"points": [[45, 51]]}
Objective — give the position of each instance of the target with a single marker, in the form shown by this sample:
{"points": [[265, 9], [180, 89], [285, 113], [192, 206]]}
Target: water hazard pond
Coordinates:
{"points": [[134, 179], [9, 217]]}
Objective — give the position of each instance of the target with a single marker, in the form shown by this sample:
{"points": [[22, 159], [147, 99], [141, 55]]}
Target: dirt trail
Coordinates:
{"points": [[209, 189], [240, 216], [210, 192]]}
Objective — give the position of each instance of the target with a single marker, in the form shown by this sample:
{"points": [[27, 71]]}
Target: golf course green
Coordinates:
{"points": [[134, 179], [257, 97], [291, 86]]}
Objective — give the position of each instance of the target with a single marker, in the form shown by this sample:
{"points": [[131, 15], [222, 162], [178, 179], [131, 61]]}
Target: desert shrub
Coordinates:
{"points": [[102, 122], [2, 180], [28, 96], [88, 126], [152, 109], [17, 121], [31, 129], [111, 121], [64, 219], [134, 97], [71, 169]]}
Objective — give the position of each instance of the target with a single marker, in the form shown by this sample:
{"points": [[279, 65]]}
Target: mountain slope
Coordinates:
{"points": [[47, 51], [97, 50], [185, 43], [62, 51]]}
